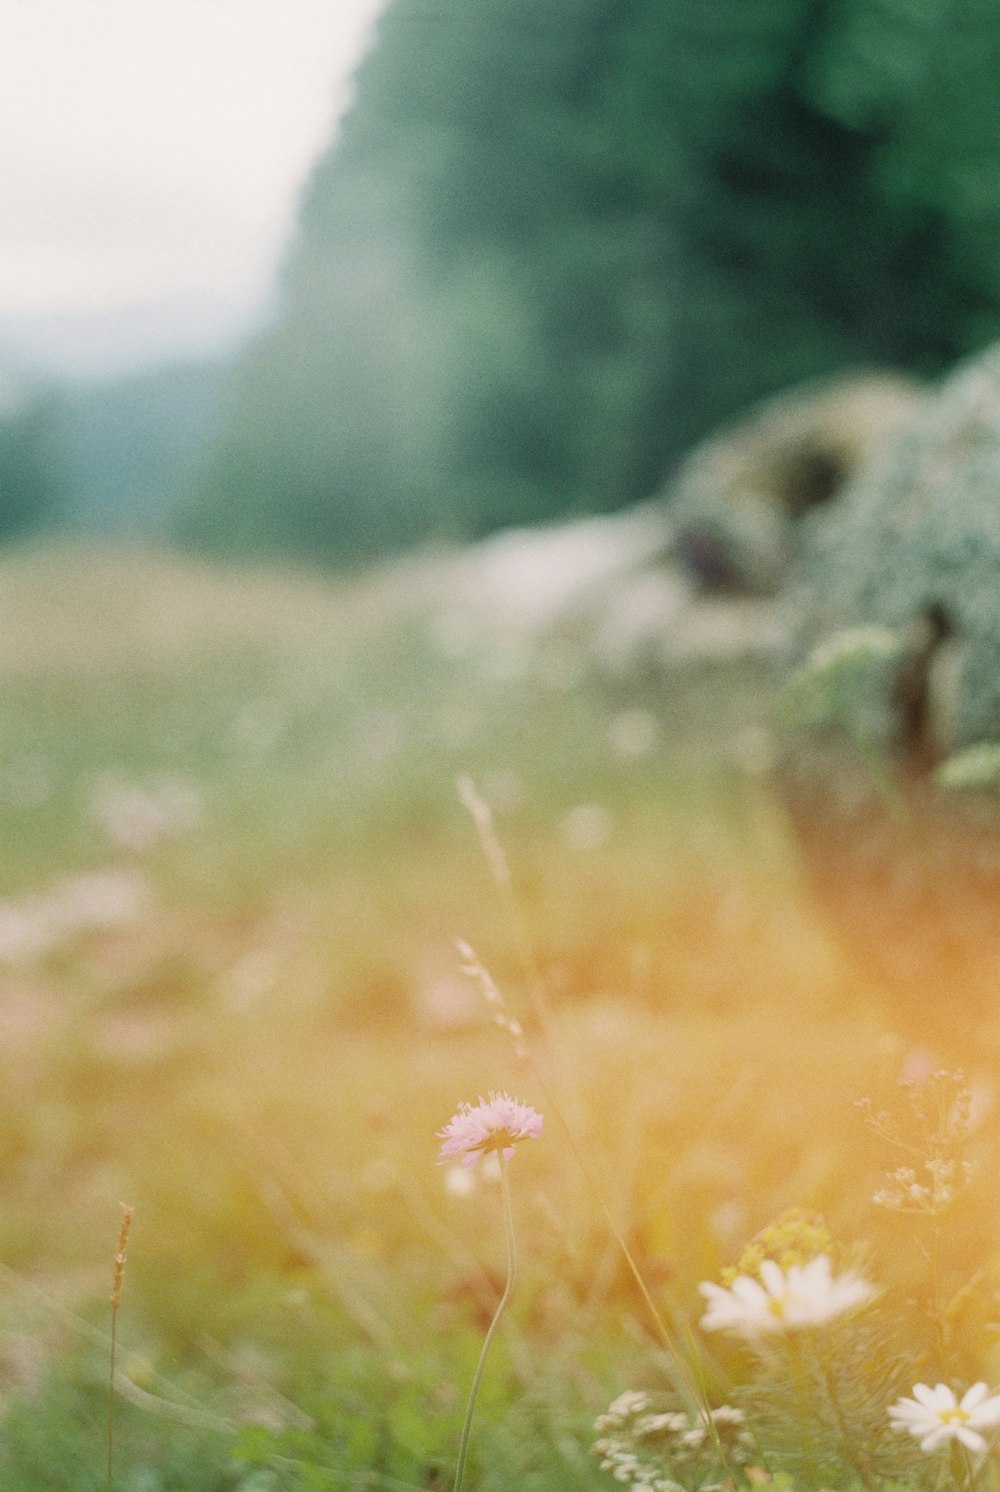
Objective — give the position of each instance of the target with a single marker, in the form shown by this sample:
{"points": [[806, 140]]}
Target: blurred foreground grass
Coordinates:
{"points": [[235, 866]]}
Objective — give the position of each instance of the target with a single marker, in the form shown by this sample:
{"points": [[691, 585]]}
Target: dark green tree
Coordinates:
{"points": [[556, 241], [30, 485]]}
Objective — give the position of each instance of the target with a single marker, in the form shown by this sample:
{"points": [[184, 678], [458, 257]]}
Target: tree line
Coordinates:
{"points": [[557, 241]]}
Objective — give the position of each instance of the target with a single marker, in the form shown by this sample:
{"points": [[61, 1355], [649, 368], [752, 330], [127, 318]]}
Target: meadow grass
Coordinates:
{"points": [[236, 867]]}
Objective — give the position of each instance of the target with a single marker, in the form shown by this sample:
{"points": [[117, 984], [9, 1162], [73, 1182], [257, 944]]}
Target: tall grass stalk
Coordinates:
{"points": [[496, 859], [853, 1451], [116, 1299]]}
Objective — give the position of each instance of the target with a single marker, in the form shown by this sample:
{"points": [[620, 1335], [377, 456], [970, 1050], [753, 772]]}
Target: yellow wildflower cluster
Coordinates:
{"points": [[793, 1238]]}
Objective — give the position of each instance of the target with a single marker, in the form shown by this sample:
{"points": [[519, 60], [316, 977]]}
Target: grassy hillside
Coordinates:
{"points": [[236, 865]]}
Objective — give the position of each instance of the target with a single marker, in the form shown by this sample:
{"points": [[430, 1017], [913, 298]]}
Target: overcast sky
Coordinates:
{"points": [[152, 148]]}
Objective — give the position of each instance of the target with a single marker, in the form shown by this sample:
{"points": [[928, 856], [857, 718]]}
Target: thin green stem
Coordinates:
{"points": [[688, 1376], [935, 1296], [961, 1466], [111, 1397], [517, 926], [508, 1217], [802, 1397], [858, 1461]]}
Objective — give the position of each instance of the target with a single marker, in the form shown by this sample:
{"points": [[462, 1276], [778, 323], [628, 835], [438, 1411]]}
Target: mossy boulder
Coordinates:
{"points": [[697, 576], [737, 501], [891, 765]]}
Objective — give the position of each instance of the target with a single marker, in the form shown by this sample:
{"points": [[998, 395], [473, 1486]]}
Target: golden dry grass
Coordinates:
{"points": [[260, 1056]]}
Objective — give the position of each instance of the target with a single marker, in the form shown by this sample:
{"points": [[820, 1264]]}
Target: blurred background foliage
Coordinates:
{"points": [[30, 477], [555, 243]]}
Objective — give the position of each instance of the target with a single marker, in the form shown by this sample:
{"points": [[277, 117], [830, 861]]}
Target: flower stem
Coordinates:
{"points": [[508, 1218], [803, 1412], [937, 1297], [497, 860], [858, 1462], [962, 1471]]}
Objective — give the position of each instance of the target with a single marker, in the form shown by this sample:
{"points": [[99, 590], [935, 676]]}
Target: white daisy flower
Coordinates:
{"points": [[935, 1415], [781, 1301]]}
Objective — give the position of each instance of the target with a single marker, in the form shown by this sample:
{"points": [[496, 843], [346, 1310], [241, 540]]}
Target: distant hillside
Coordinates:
{"points": [[125, 448], [124, 339]]}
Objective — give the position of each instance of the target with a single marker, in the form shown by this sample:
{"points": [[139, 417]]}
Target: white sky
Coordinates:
{"points": [[152, 148]]}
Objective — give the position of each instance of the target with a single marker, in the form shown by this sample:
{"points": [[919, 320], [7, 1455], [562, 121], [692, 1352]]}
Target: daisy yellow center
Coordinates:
{"points": [[776, 1306], [954, 1416]]}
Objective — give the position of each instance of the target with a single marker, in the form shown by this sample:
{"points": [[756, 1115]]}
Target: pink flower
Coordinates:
{"points": [[493, 1124]]}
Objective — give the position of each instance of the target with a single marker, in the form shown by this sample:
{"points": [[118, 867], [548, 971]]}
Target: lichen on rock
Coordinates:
{"points": [[738, 499], [914, 546], [904, 854]]}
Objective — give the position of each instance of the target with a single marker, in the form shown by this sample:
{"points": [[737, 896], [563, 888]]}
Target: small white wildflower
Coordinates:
{"points": [[907, 1194], [459, 1182], [660, 1424], [632, 1401], [646, 1446], [633, 733], [935, 1415], [35, 925], [807, 1295], [588, 826], [141, 818]]}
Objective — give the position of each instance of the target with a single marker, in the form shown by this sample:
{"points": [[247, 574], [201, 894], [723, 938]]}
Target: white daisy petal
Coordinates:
{"points": [[773, 1276], [804, 1296], [935, 1416], [748, 1290], [908, 1410], [939, 1397], [988, 1411], [816, 1274]]}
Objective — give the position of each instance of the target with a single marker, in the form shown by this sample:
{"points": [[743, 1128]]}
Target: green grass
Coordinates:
{"points": [[259, 1058]]}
